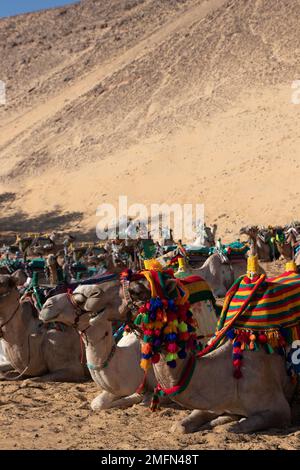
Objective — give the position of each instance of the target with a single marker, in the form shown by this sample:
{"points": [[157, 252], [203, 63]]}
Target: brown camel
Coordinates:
{"points": [[47, 354]]}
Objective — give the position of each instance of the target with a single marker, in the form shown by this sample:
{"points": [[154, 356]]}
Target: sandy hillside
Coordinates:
{"points": [[163, 101]]}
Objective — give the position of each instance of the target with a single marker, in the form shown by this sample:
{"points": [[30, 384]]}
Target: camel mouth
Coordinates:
{"points": [[96, 316], [47, 315]]}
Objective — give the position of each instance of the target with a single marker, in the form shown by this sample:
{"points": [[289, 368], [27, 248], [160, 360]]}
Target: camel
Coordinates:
{"points": [[282, 243], [210, 235], [39, 245], [293, 237], [261, 239], [122, 375], [47, 354], [217, 271], [260, 399]]}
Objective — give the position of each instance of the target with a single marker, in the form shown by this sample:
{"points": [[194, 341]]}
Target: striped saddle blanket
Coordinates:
{"points": [[275, 305]]}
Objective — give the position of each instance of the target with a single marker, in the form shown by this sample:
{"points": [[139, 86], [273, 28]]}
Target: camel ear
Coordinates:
{"points": [[19, 277], [94, 302], [80, 299]]}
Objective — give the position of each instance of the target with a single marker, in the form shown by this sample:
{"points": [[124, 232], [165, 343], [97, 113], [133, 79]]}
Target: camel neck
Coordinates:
{"points": [[99, 343], [105, 358], [209, 370]]}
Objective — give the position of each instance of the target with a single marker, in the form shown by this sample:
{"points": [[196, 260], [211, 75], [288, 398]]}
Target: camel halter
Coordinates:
{"points": [[132, 307], [78, 310], [105, 363]]}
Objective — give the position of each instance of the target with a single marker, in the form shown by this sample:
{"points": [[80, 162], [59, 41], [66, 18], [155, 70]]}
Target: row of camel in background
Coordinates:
{"points": [[62, 252], [275, 242], [283, 238]]}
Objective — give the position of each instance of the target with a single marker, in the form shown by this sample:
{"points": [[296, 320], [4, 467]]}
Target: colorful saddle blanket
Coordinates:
{"points": [[197, 287], [274, 306]]}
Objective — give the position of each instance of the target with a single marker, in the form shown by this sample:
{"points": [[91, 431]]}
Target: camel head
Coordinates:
{"points": [[250, 230], [139, 292], [58, 308], [87, 304]]}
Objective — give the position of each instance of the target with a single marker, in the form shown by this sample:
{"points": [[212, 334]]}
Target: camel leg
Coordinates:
{"points": [[5, 367], [220, 420], [263, 420], [107, 400], [147, 399], [194, 421]]}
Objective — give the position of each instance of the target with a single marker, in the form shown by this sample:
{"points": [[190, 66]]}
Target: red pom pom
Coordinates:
{"points": [[184, 336], [262, 338], [237, 363], [172, 347], [157, 332], [171, 316], [237, 374], [155, 358], [281, 341]]}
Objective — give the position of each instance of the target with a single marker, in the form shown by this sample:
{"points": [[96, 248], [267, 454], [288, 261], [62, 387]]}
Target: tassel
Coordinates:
{"points": [[145, 364], [252, 342], [154, 406]]}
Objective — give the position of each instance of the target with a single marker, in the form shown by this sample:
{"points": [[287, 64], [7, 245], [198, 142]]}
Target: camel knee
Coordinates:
{"points": [[102, 401]]}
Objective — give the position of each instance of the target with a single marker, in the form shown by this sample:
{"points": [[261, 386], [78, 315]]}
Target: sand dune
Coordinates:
{"points": [[178, 101]]}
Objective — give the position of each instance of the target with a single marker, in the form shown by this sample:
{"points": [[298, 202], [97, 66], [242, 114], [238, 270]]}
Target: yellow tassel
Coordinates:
{"points": [[273, 338], [252, 266], [152, 265], [291, 266], [145, 364]]}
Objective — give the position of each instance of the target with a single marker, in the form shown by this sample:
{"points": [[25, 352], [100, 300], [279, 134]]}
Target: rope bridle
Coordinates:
{"points": [[78, 310]]}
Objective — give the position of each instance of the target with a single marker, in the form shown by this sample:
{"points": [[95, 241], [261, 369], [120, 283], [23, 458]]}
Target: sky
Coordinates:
{"points": [[16, 7]]}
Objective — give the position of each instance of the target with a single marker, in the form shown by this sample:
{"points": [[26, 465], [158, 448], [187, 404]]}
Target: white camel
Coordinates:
{"points": [[114, 367]]}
